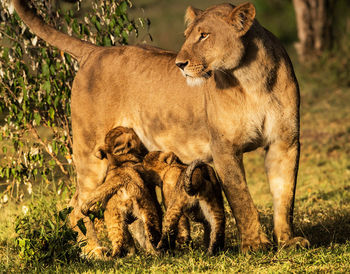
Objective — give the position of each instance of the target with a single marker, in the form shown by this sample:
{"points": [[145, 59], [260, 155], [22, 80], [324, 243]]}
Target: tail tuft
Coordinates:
{"points": [[193, 177]]}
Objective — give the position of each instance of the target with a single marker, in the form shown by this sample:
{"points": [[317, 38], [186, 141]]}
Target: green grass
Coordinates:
{"points": [[316, 260], [322, 206]]}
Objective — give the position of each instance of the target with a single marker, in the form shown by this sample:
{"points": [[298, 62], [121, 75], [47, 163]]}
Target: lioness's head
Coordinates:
{"points": [[213, 40]]}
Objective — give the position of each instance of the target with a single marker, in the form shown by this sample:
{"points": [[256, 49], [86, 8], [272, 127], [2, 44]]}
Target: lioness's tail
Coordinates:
{"points": [[75, 47], [193, 178]]}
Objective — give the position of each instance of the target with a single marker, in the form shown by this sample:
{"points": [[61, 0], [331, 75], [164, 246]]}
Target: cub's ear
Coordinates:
{"points": [[125, 142], [191, 14], [100, 152], [168, 157], [242, 17], [122, 145]]}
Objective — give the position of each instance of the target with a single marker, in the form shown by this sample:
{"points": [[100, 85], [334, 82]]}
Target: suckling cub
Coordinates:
{"points": [[189, 192], [125, 194]]}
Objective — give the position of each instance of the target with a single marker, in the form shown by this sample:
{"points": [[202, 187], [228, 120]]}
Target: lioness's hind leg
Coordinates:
{"points": [[281, 164], [90, 173], [92, 248]]}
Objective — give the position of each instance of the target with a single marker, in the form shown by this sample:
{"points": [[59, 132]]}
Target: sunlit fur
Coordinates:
{"points": [[126, 196], [250, 99], [189, 192]]}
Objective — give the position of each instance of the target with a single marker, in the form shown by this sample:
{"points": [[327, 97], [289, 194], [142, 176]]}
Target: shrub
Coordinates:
{"points": [[44, 235], [35, 86]]}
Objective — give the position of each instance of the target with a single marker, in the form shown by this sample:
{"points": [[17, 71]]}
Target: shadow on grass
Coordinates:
{"points": [[334, 228], [323, 227]]}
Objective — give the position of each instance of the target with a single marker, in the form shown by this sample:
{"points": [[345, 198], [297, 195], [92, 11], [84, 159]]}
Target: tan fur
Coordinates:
{"points": [[248, 98], [125, 195], [188, 192]]}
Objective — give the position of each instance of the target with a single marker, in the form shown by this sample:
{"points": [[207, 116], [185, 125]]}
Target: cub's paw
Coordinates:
{"points": [[93, 207], [96, 253], [88, 207], [163, 244], [184, 240], [212, 251], [296, 242]]}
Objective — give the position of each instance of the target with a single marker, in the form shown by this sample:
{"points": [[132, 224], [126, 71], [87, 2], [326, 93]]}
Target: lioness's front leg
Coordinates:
{"points": [[281, 164], [229, 167]]}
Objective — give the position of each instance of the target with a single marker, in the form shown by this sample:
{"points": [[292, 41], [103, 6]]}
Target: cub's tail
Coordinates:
{"points": [[194, 177], [75, 47]]}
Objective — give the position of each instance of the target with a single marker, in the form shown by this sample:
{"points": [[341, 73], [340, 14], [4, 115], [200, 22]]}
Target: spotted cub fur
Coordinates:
{"points": [[189, 192], [125, 195]]}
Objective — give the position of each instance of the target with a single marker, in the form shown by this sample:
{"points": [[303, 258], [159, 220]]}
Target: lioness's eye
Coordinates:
{"points": [[203, 36]]}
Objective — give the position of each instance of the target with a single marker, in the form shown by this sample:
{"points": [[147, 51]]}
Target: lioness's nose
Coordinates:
{"points": [[182, 65]]}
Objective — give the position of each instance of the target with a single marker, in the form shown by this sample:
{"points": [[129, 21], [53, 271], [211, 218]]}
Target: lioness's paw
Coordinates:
{"points": [[296, 242], [261, 243]]}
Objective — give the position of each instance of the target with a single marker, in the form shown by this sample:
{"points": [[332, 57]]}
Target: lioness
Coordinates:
{"points": [[230, 89], [188, 191], [126, 196]]}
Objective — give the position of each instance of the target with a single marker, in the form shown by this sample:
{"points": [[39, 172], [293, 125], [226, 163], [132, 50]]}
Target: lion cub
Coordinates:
{"points": [[188, 191], [125, 196]]}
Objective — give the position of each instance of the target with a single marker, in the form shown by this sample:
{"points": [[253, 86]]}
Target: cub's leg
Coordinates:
{"points": [[231, 172], [102, 194], [281, 164], [137, 230], [117, 228], [215, 217], [207, 230], [170, 225], [90, 173], [148, 213], [183, 231], [131, 248]]}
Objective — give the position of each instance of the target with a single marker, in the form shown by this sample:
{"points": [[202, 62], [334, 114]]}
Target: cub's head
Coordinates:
{"points": [[120, 141], [213, 40], [158, 162]]}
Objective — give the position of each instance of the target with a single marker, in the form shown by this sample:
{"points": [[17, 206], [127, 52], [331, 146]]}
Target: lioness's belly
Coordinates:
{"points": [[172, 122]]}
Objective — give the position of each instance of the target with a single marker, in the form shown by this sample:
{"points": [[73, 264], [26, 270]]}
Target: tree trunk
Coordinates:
{"points": [[314, 22]]}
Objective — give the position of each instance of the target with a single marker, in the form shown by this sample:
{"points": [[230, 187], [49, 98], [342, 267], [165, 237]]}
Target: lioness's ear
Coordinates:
{"points": [[242, 17], [168, 157], [191, 14]]}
